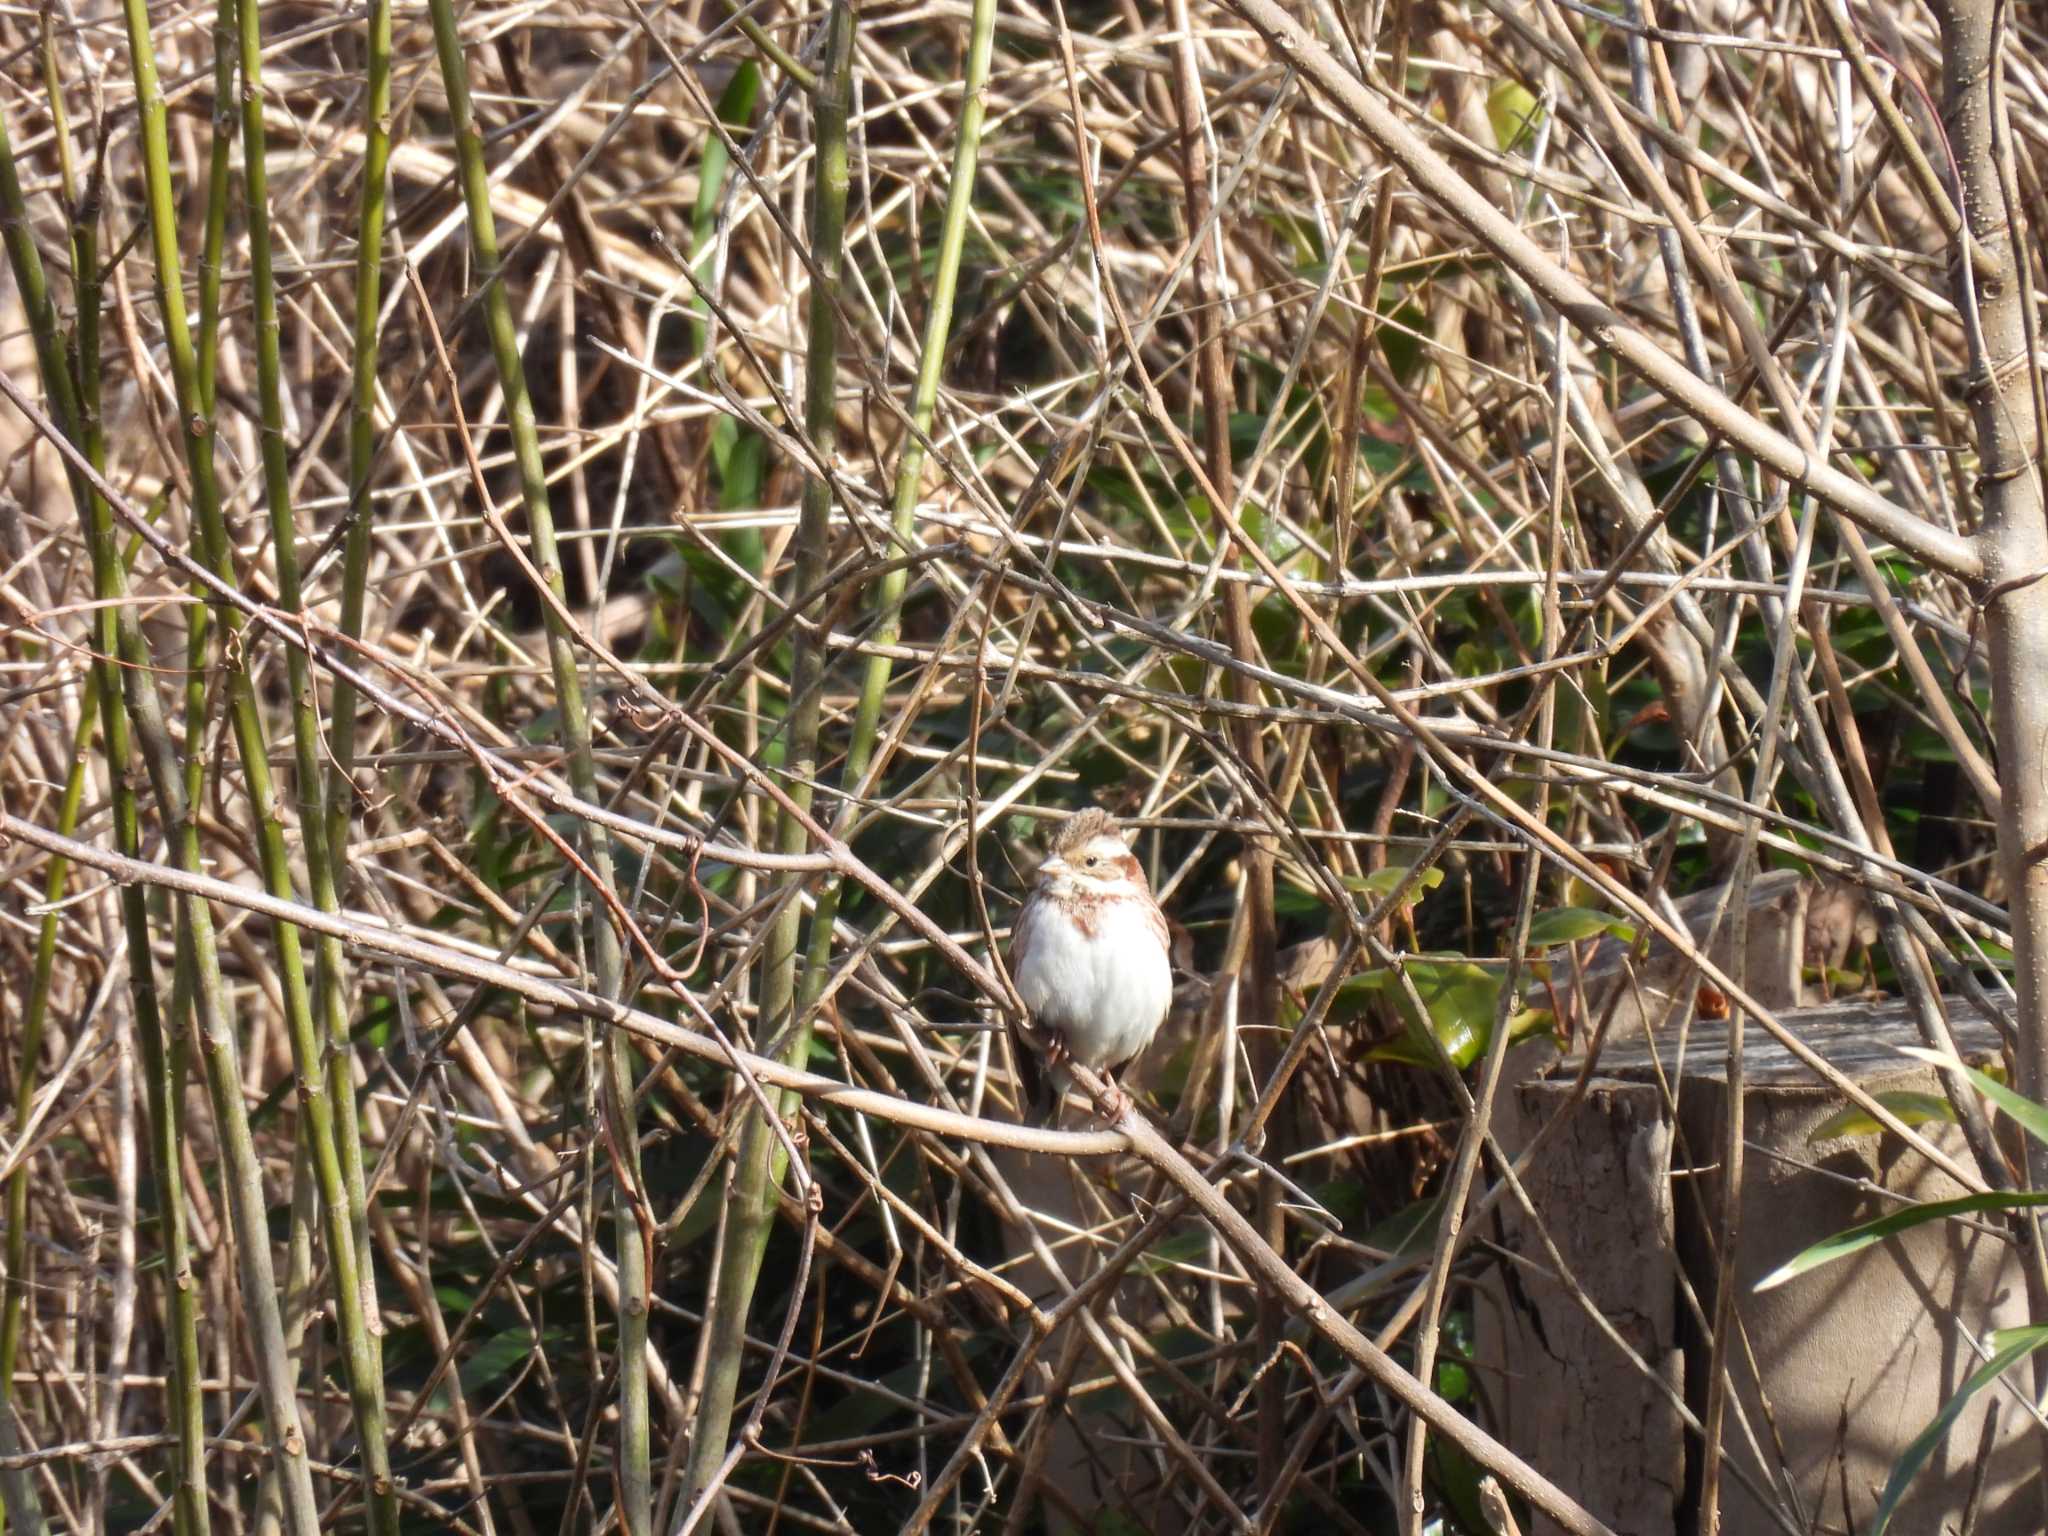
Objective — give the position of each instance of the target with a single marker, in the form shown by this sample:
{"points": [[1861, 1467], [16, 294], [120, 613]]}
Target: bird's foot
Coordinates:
{"points": [[1056, 1052], [1114, 1103]]}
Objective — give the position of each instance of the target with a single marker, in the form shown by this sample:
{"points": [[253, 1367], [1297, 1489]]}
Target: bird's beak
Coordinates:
{"points": [[1054, 866]]}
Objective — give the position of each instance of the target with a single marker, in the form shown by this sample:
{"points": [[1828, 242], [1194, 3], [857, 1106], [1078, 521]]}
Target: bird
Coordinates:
{"points": [[1090, 956]]}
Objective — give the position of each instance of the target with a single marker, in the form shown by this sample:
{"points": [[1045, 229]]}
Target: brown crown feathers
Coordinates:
{"points": [[1079, 828]]}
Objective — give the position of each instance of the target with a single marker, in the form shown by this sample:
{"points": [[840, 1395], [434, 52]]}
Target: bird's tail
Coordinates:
{"points": [[1043, 1087]]}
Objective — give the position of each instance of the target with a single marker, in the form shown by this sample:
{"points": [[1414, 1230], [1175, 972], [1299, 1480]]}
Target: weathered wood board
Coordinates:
{"points": [[1838, 1370]]}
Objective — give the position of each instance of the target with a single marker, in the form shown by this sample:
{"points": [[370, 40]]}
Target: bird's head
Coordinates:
{"points": [[1090, 857]]}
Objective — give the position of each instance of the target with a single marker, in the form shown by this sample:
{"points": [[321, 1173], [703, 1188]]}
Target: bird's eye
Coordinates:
{"points": [[1091, 861]]}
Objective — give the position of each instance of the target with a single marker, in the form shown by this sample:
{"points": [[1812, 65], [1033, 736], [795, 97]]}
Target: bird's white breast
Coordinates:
{"points": [[1106, 991]]}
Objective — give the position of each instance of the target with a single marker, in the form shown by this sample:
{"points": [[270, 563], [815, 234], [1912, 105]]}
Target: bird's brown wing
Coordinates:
{"points": [[1020, 931], [1155, 919]]}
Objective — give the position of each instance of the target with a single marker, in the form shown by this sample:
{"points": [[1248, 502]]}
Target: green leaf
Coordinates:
{"points": [[1182, 1248], [496, 1357], [1856, 1239], [2009, 1346], [1567, 925], [1454, 1476], [1913, 1107], [1381, 883], [1512, 110], [1454, 1356], [1412, 1050], [1475, 658], [741, 466], [1400, 341], [1459, 999], [1296, 901], [2031, 1117], [1412, 1229], [1983, 951], [735, 110], [1343, 1199]]}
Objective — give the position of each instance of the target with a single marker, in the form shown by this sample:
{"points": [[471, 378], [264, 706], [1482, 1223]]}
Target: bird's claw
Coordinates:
{"points": [[1114, 1103]]}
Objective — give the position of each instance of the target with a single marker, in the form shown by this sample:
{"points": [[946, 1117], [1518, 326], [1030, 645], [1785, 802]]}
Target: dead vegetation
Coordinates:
{"points": [[678, 624]]}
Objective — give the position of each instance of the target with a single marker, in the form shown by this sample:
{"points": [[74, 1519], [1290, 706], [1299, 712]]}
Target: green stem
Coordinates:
{"points": [[241, 1169], [761, 1159], [220, 164], [116, 633], [29, 1053], [316, 1041], [776, 54], [636, 1481], [163, 1064], [241, 1172], [213, 241], [354, 585], [938, 330], [44, 970], [931, 361], [362, 422]]}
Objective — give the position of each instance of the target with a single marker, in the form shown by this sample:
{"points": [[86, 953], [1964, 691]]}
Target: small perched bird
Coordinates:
{"points": [[1089, 954]]}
